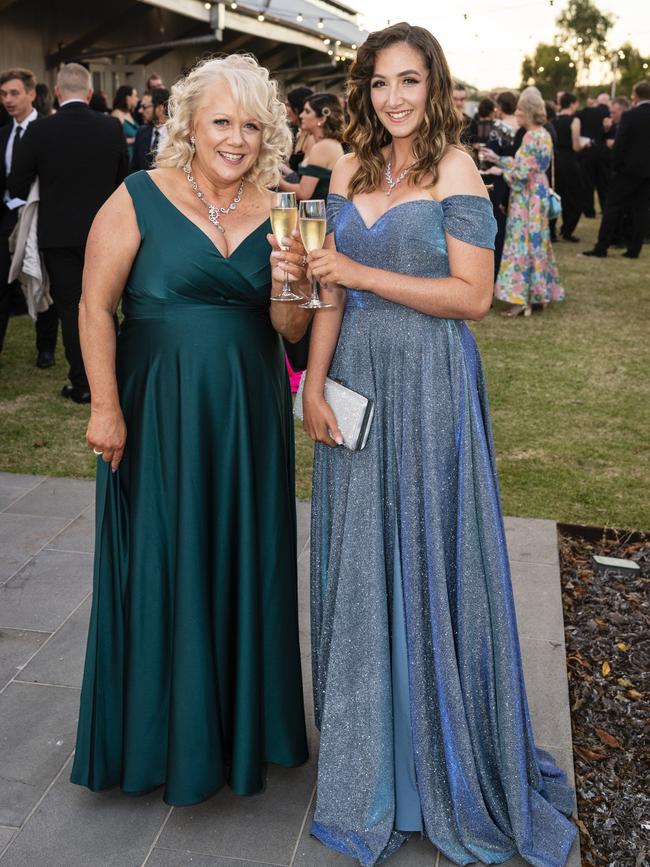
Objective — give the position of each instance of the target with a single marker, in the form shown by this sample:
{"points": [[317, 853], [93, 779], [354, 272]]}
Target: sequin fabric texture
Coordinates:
{"points": [[418, 684]]}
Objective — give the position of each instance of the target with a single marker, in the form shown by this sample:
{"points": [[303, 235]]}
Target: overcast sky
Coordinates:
{"points": [[487, 48]]}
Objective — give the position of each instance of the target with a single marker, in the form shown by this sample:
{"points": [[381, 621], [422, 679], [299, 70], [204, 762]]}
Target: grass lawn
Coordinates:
{"points": [[570, 396]]}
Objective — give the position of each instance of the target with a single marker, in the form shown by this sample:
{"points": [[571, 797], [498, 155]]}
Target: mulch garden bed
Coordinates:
{"points": [[607, 629]]}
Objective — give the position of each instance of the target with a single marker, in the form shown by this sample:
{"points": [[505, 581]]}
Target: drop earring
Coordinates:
{"points": [[193, 144]]}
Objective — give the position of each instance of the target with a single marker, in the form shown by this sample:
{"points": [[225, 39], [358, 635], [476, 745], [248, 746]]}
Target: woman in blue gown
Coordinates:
{"points": [[418, 682]]}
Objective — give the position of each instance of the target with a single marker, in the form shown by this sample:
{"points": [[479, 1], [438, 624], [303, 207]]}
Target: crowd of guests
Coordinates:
{"points": [[541, 148]]}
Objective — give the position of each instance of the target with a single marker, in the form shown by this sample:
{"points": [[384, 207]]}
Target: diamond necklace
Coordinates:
{"points": [[213, 210], [388, 174]]}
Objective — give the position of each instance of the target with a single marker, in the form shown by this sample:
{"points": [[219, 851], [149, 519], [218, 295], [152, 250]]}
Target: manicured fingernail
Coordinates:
{"points": [[338, 440], [276, 254]]}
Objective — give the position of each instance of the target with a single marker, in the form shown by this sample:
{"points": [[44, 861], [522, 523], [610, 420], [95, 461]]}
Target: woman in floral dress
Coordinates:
{"points": [[528, 274]]}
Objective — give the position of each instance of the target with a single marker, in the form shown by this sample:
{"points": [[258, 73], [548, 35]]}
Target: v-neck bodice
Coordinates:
{"points": [[179, 266]]}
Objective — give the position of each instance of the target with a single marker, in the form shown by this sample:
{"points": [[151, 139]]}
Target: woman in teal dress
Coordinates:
{"points": [[192, 676], [322, 118], [124, 104]]}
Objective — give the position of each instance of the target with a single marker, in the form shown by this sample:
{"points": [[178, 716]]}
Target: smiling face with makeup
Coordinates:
{"points": [[399, 89], [228, 139]]}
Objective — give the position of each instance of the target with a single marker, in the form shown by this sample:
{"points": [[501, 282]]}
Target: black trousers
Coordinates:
{"points": [[626, 193], [47, 323], [568, 182], [596, 175], [65, 268]]}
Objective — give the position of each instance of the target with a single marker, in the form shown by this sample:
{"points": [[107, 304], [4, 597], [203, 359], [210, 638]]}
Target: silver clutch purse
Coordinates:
{"points": [[353, 411]]}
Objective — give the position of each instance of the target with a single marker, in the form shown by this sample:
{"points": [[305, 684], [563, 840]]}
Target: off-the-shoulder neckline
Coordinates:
{"points": [[439, 202]]}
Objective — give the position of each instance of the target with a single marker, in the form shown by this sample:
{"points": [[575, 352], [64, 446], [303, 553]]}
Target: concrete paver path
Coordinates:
{"points": [[46, 544]]}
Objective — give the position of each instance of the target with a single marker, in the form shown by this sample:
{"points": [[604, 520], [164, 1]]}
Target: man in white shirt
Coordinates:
{"points": [[17, 93]]}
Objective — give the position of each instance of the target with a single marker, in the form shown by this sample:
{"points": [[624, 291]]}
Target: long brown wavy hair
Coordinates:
{"points": [[440, 127]]}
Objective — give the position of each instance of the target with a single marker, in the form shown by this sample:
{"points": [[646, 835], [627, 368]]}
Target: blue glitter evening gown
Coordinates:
{"points": [[418, 683]]}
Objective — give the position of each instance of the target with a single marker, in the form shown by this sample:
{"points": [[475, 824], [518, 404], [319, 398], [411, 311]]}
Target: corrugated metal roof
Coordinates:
{"points": [[329, 21]]}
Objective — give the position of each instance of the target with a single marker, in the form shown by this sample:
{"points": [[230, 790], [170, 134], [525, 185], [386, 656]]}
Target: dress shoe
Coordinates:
{"points": [[571, 238], [599, 254], [45, 360], [629, 255], [75, 394]]}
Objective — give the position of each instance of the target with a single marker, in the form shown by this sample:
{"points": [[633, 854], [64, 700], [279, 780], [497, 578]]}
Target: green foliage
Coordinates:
{"points": [[630, 69], [582, 30], [550, 69]]}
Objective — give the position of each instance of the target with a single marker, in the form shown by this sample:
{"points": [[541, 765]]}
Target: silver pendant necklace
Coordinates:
{"points": [[213, 210], [388, 174]]}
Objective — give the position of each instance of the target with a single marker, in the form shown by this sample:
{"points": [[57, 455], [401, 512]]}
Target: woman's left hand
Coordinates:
{"points": [[291, 260], [328, 266]]}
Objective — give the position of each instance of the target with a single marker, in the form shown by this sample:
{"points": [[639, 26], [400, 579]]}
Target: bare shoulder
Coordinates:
{"points": [[342, 174], [459, 176], [116, 217]]}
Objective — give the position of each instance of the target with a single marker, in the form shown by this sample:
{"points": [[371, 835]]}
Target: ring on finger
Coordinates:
{"points": [[303, 262], [97, 452]]}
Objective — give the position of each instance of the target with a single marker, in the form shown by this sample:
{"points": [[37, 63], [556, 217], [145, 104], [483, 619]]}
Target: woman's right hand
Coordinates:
{"points": [[106, 433], [319, 421]]}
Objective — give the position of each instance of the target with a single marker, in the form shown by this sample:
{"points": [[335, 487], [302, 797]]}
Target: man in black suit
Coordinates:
{"points": [[79, 157], [153, 132], [630, 185], [594, 160], [17, 93]]}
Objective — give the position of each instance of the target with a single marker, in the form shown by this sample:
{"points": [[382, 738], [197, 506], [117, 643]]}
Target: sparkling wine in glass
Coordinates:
{"points": [[312, 222], [284, 218]]}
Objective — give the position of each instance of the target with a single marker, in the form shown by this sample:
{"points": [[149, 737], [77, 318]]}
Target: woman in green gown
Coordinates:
{"points": [[192, 675], [322, 118]]}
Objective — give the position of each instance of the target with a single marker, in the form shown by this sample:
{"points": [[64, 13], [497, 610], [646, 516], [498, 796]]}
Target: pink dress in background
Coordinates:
{"points": [[294, 377]]}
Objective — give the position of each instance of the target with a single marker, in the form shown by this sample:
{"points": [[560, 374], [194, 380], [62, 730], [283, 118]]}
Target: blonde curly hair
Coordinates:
{"points": [[253, 90]]}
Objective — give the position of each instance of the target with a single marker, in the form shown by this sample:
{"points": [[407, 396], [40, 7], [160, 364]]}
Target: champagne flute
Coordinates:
{"points": [[312, 222], [284, 218]]}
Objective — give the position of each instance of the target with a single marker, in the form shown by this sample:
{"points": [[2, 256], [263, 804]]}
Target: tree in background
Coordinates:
{"points": [[631, 67], [582, 30], [550, 69]]}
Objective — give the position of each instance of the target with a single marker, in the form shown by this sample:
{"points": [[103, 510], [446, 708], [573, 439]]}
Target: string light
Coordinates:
{"points": [[354, 47], [233, 5], [330, 52], [557, 57], [540, 69], [572, 64], [338, 42], [260, 17], [207, 6], [326, 41], [299, 18], [320, 24], [645, 65]]}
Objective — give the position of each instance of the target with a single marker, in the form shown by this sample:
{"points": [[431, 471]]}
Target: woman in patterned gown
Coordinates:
{"points": [[528, 274], [418, 683]]}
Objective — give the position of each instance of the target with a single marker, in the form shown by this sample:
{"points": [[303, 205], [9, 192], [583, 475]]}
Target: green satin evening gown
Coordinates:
{"points": [[192, 676]]}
